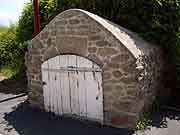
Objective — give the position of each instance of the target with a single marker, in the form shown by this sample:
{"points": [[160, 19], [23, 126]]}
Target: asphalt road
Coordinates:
{"points": [[17, 118], [5, 96]]}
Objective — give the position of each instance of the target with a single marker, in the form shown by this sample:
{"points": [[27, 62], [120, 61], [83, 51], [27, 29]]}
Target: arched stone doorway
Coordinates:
{"points": [[72, 85]]}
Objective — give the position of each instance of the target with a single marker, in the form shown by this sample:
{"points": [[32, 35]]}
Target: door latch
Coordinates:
{"points": [[44, 83]]}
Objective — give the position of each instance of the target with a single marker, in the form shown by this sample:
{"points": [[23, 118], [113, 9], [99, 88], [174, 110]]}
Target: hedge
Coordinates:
{"points": [[157, 21]]}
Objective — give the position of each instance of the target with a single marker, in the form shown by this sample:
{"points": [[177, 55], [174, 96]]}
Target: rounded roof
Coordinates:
{"points": [[130, 40]]}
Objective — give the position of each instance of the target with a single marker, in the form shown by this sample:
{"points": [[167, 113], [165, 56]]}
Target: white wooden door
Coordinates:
{"points": [[72, 85]]}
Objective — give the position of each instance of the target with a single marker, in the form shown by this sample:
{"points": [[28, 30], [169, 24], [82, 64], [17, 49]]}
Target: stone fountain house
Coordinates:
{"points": [[81, 65]]}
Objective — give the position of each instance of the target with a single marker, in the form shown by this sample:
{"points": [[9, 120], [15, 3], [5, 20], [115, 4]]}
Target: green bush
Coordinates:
{"points": [[24, 28], [8, 45], [144, 122], [11, 52], [3, 29], [157, 21]]}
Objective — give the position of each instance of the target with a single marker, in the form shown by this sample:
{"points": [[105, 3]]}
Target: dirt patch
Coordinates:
{"points": [[2, 78], [15, 85]]}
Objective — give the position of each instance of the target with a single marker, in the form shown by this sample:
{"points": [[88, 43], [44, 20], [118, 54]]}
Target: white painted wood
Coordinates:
{"points": [[52, 87], [82, 94], [73, 80], [59, 89], [99, 96], [91, 91], [45, 86], [73, 86], [82, 88], [49, 88], [55, 86], [65, 86]]}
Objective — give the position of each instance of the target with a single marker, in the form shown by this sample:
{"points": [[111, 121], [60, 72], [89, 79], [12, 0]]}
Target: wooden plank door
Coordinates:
{"points": [[73, 86]]}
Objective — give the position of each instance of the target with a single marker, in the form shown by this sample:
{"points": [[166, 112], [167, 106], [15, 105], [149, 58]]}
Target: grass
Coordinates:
{"points": [[145, 120], [3, 29], [8, 71]]}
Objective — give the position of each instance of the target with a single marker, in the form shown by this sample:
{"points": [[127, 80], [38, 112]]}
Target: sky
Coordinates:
{"points": [[10, 10]]}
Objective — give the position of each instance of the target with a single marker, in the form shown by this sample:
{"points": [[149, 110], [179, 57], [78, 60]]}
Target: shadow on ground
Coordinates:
{"points": [[14, 85], [28, 121], [159, 119]]}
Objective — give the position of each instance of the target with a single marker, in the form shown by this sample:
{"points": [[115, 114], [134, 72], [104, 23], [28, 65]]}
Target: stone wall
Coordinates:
{"points": [[129, 82]]}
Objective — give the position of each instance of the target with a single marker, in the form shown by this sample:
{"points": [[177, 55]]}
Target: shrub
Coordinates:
{"points": [[3, 29], [157, 21], [11, 52]]}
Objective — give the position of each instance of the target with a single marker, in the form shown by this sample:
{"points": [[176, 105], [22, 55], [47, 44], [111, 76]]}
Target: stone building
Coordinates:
{"points": [[132, 69]]}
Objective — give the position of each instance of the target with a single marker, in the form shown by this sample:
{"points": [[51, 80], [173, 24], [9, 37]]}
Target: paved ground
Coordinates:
{"points": [[4, 96], [19, 119], [22, 120], [164, 123]]}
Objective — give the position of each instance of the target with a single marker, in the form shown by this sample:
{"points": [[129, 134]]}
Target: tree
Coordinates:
{"points": [[155, 20]]}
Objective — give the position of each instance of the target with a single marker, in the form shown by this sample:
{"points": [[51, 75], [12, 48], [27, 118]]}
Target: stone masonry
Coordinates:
{"points": [[132, 68]]}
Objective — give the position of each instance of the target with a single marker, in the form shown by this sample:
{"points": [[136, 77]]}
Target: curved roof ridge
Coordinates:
{"points": [[122, 34]]}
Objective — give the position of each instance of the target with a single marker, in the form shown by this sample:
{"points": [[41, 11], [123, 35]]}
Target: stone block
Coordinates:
{"points": [[44, 35], [37, 87], [120, 58], [122, 106], [60, 22], [107, 75], [36, 60], [95, 37], [33, 51], [36, 44], [68, 15], [50, 53], [124, 120], [113, 65], [108, 87], [94, 29], [33, 69], [96, 59], [128, 79], [61, 30], [74, 21], [131, 89], [92, 49], [72, 44], [117, 74], [106, 51], [103, 43]]}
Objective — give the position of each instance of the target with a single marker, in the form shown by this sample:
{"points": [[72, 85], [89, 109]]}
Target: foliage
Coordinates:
{"points": [[24, 28], [7, 45], [25, 23], [9, 71], [48, 9], [144, 121], [11, 52], [158, 21], [3, 29]]}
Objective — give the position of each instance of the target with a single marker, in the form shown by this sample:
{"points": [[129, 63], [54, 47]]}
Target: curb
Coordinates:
{"points": [[13, 97]]}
